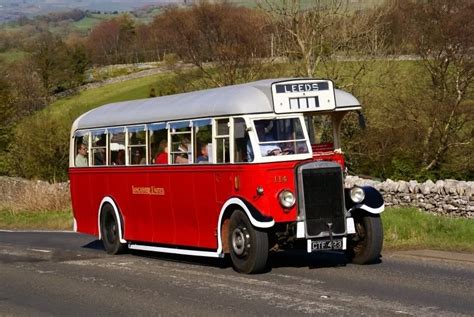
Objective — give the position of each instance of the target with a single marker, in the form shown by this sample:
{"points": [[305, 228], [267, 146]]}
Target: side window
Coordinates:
{"points": [[81, 149], [323, 132], [158, 141], [117, 146], [222, 141], [137, 145], [241, 141], [181, 145], [203, 141], [99, 148]]}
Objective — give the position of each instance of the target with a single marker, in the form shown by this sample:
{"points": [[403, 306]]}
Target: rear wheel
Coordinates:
{"points": [[109, 231], [366, 245], [248, 245]]}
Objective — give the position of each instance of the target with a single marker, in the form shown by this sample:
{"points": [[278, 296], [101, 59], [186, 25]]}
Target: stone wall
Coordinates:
{"points": [[447, 197], [17, 194]]}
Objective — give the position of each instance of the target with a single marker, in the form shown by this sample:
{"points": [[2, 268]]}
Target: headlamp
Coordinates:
{"points": [[287, 198], [357, 194]]}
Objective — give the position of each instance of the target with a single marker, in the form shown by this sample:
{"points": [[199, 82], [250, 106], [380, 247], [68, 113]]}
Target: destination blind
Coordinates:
{"points": [[303, 96], [314, 86]]}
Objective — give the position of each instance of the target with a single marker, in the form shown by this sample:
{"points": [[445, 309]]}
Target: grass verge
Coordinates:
{"points": [[404, 228], [409, 228], [37, 220]]}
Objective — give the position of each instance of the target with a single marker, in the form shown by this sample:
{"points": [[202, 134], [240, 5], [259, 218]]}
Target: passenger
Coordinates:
{"points": [[182, 158], [162, 156], [120, 160], [138, 158], [99, 154], [81, 157], [204, 157]]}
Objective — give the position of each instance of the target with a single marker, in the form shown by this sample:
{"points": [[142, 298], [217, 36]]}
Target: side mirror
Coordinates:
{"points": [[362, 124]]}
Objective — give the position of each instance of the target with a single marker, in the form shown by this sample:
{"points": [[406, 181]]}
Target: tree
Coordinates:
{"points": [[21, 94], [109, 41], [318, 37], [59, 66], [442, 34], [230, 38]]}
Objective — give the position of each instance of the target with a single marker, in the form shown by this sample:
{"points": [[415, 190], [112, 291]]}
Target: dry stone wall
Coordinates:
{"points": [[19, 194], [447, 197]]}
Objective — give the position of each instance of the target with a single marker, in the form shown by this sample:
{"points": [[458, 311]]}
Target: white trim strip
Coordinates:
{"points": [[211, 254], [110, 201], [372, 210], [254, 222]]}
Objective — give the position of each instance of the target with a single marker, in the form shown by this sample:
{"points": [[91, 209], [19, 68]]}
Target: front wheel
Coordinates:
{"points": [[366, 245], [109, 231], [248, 245]]}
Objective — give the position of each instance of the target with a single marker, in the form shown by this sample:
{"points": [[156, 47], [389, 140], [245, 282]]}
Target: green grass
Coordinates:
{"points": [[92, 20], [409, 228], [13, 56], [404, 228], [43, 220], [92, 98]]}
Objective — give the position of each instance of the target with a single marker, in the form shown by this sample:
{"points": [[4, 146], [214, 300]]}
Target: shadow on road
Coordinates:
{"points": [[288, 258], [300, 258], [94, 245]]}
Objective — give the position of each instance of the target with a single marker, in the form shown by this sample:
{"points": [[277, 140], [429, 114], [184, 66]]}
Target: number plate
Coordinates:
{"points": [[318, 245]]}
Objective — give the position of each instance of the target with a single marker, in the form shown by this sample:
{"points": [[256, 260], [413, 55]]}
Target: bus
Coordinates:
{"points": [[241, 170]]}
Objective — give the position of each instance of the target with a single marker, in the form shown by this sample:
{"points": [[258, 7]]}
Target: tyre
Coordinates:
{"points": [[248, 245], [109, 231], [366, 245]]}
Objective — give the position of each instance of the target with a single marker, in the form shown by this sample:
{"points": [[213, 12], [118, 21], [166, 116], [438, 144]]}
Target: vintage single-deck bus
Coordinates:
{"points": [[237, 170]]}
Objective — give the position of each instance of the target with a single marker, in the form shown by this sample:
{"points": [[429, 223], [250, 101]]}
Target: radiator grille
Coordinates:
{"points": [[323, 200]]}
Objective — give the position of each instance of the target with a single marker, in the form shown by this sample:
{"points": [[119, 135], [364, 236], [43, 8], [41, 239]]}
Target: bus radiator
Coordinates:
{"points": [[323, 201]]}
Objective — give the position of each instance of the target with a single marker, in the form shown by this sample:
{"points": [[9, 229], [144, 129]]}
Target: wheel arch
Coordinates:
{"points": [[373, 202], [256, 219], [109, 200]]}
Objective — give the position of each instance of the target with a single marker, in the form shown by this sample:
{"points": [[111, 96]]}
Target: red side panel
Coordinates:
{"points": [[180, 205]]}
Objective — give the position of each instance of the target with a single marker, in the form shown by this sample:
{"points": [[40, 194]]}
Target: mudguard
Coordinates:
{"points": [[256, 218], [373, 202]]}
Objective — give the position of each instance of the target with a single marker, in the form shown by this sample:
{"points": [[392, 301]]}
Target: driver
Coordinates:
{"points": [[264, 133]]}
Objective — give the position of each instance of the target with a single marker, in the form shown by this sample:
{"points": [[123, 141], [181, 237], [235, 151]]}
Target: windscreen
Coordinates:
{"points": [[280, 137]]}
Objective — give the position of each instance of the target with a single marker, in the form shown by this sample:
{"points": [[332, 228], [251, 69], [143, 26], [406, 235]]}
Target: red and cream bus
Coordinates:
{"points": [[237, 170]]}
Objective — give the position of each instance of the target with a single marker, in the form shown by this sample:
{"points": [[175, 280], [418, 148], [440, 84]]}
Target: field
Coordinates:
{"points": [[92, 98], [91, 20]]}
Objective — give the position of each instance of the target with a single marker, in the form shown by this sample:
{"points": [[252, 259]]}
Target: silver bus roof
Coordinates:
{"points": [[249, 98]]}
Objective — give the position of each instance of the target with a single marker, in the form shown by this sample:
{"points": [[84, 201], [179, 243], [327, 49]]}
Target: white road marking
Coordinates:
{"points": [[39, 250]]}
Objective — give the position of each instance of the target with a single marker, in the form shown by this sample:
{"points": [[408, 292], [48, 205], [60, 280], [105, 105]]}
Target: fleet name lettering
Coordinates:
{"points": [[305, 87], [150, 190]]}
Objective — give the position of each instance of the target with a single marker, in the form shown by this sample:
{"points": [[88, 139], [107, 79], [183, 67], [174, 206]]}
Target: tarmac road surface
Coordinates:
{"points": [[64, 273]]}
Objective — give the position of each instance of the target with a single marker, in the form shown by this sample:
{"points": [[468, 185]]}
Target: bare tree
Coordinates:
{"points": [[320, 36], [229, 38], [442, 33], [303, 32], [110, 41]]}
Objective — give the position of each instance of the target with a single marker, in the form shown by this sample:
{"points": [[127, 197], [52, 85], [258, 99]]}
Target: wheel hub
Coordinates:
{"points": [[240, 241]]}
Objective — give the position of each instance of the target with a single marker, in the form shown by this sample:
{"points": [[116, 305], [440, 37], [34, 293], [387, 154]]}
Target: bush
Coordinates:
{"points": [[39, 149]]}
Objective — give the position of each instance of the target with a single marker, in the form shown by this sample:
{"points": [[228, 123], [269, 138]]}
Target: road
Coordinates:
{"points": [[64, 273]]}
